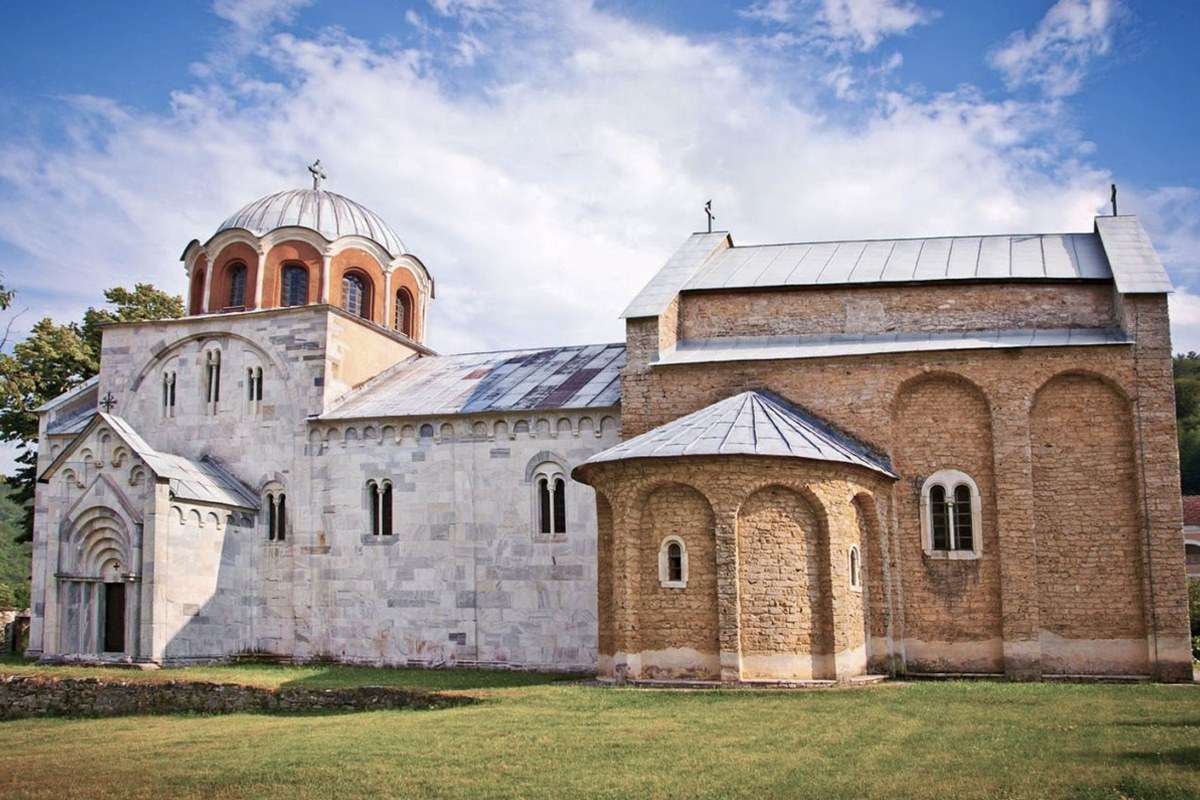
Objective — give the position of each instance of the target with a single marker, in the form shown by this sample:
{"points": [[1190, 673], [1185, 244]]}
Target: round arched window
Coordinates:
{"points": [[354, 295], [294, 291]]}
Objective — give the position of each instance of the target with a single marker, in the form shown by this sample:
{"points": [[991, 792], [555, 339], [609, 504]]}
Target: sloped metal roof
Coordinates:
{"points": [[1135, 265], [1060, 255], [761, 348], [755, 423], [582, 376], [203, 481], [328, 213], [679, 269]]}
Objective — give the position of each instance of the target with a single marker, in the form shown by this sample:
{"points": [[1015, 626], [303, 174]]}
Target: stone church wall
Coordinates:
{"points": [[982, 415]]}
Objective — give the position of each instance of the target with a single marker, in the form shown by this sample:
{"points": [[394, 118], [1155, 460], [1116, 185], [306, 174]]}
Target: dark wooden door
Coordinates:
{"points": [[114, 618]]}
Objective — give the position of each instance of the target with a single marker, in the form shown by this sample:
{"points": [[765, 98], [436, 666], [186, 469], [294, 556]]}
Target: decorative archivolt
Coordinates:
{"points": [[206, 339], [99, 543]]}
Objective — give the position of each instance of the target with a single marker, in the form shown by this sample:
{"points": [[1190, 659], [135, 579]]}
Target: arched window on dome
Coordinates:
{"points": [[404, 312], [294, 291], [356, 297], [237, 285]]}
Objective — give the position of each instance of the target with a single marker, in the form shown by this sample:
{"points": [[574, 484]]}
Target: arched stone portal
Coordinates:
{"points": [[98, 602]]}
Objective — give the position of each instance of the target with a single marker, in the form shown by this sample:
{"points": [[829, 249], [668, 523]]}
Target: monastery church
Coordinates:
{"points": [[816, 461]]}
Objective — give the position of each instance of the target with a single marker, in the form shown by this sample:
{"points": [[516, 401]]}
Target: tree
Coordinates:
{"points": [[1187, 417], [53, 359]]}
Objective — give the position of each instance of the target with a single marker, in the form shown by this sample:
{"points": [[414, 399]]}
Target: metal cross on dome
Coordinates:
{"points": [[318, 173]]}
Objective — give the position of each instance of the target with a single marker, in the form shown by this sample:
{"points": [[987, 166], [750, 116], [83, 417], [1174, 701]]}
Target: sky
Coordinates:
{"points": [[543, 159]]}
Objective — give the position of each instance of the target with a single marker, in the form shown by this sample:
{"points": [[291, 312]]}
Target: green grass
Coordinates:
{"points": [[549, 739]]}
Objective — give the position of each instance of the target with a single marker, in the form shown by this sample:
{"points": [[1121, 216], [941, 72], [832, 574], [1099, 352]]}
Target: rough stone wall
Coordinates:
{"points": [[859, 395], [882, 309], [30, 696], [750, 536], [783, 584], [1086, 525], [672, 622], [952, 611]]}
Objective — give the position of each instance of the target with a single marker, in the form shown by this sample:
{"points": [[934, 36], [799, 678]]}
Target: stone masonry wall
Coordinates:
{"points": [[769, 515], [884, 309], [861, 395]]}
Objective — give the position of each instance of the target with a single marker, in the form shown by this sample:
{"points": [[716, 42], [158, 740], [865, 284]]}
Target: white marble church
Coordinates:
{"points": [[289, 469]]}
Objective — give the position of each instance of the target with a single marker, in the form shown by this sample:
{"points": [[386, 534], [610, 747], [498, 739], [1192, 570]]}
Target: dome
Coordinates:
{"points": [[327, 213]]}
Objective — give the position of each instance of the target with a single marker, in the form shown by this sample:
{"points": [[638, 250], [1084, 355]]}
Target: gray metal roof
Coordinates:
{"points": [[1135, 266], [1038, 256], [203, 481], [1118, 249], [760, 348], [328, 213], [755, 423], [680, 267], [582, 376], [71, 425]]}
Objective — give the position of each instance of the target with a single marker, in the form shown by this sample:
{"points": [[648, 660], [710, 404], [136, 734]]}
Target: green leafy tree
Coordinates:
{"points": [[55, 358], [1187, 417]]}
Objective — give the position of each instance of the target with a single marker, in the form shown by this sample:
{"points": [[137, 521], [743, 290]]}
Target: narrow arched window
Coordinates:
{"points": [[237, 285], [168, 394], [354, 295], [294, 291], [545, 524], [855, 568], [373, 503], [212, 379], [951, 515], [271, 526], [940, 517], [560, 505], [385, 511], [254, 386], [674, 561], [404, 312], [281, 518]]}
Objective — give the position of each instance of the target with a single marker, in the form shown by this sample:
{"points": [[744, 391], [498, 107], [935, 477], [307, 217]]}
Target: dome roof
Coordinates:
{"points": [[327, 213]]}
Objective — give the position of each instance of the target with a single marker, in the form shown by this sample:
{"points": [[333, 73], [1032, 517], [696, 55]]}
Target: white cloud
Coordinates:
{"points": [[544, 199], [856, 24], [1185, 321], [254, 16], [1056, 55]]}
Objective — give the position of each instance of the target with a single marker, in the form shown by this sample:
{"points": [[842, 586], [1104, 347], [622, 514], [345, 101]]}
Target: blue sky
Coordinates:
{"points": [[545, 158]]}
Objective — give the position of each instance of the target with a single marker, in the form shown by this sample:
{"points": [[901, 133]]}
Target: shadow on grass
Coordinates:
{"points": [[336, 676], [1132, 788], [1179, 757]]}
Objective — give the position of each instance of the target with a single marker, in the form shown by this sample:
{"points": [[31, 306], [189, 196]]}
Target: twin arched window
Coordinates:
{"points": [[672, 563], [355, 297], [404, 312], [379, 502], [951, 515], [276, 516], [254, 382], [550, 498], [294, 289], [237, 285]]}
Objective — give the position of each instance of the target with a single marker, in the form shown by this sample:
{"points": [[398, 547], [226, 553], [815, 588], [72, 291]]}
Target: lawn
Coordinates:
{"points": [[536, 736]]}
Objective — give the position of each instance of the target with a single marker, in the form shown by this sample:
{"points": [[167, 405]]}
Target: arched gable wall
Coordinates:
{"points": [[231, 254], [292, 250], [354, 259]]}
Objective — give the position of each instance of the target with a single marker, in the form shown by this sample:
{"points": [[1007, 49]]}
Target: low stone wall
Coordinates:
{"points": [[37, 696]]}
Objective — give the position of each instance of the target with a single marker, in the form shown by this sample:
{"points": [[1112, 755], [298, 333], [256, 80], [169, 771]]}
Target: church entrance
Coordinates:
{"points": [[114, 617]]}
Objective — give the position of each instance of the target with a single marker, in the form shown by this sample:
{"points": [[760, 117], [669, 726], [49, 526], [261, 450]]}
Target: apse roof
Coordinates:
{"points": [[580, 376], [328, 213], [200, 481], [754, 423]]}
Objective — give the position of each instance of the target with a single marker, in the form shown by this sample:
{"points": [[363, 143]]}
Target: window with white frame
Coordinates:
{"points": [[950, 515], [672, 563], [379, 506], [276, 502], [855, 566], [168, 393], [550, 499], [212, 379]]}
